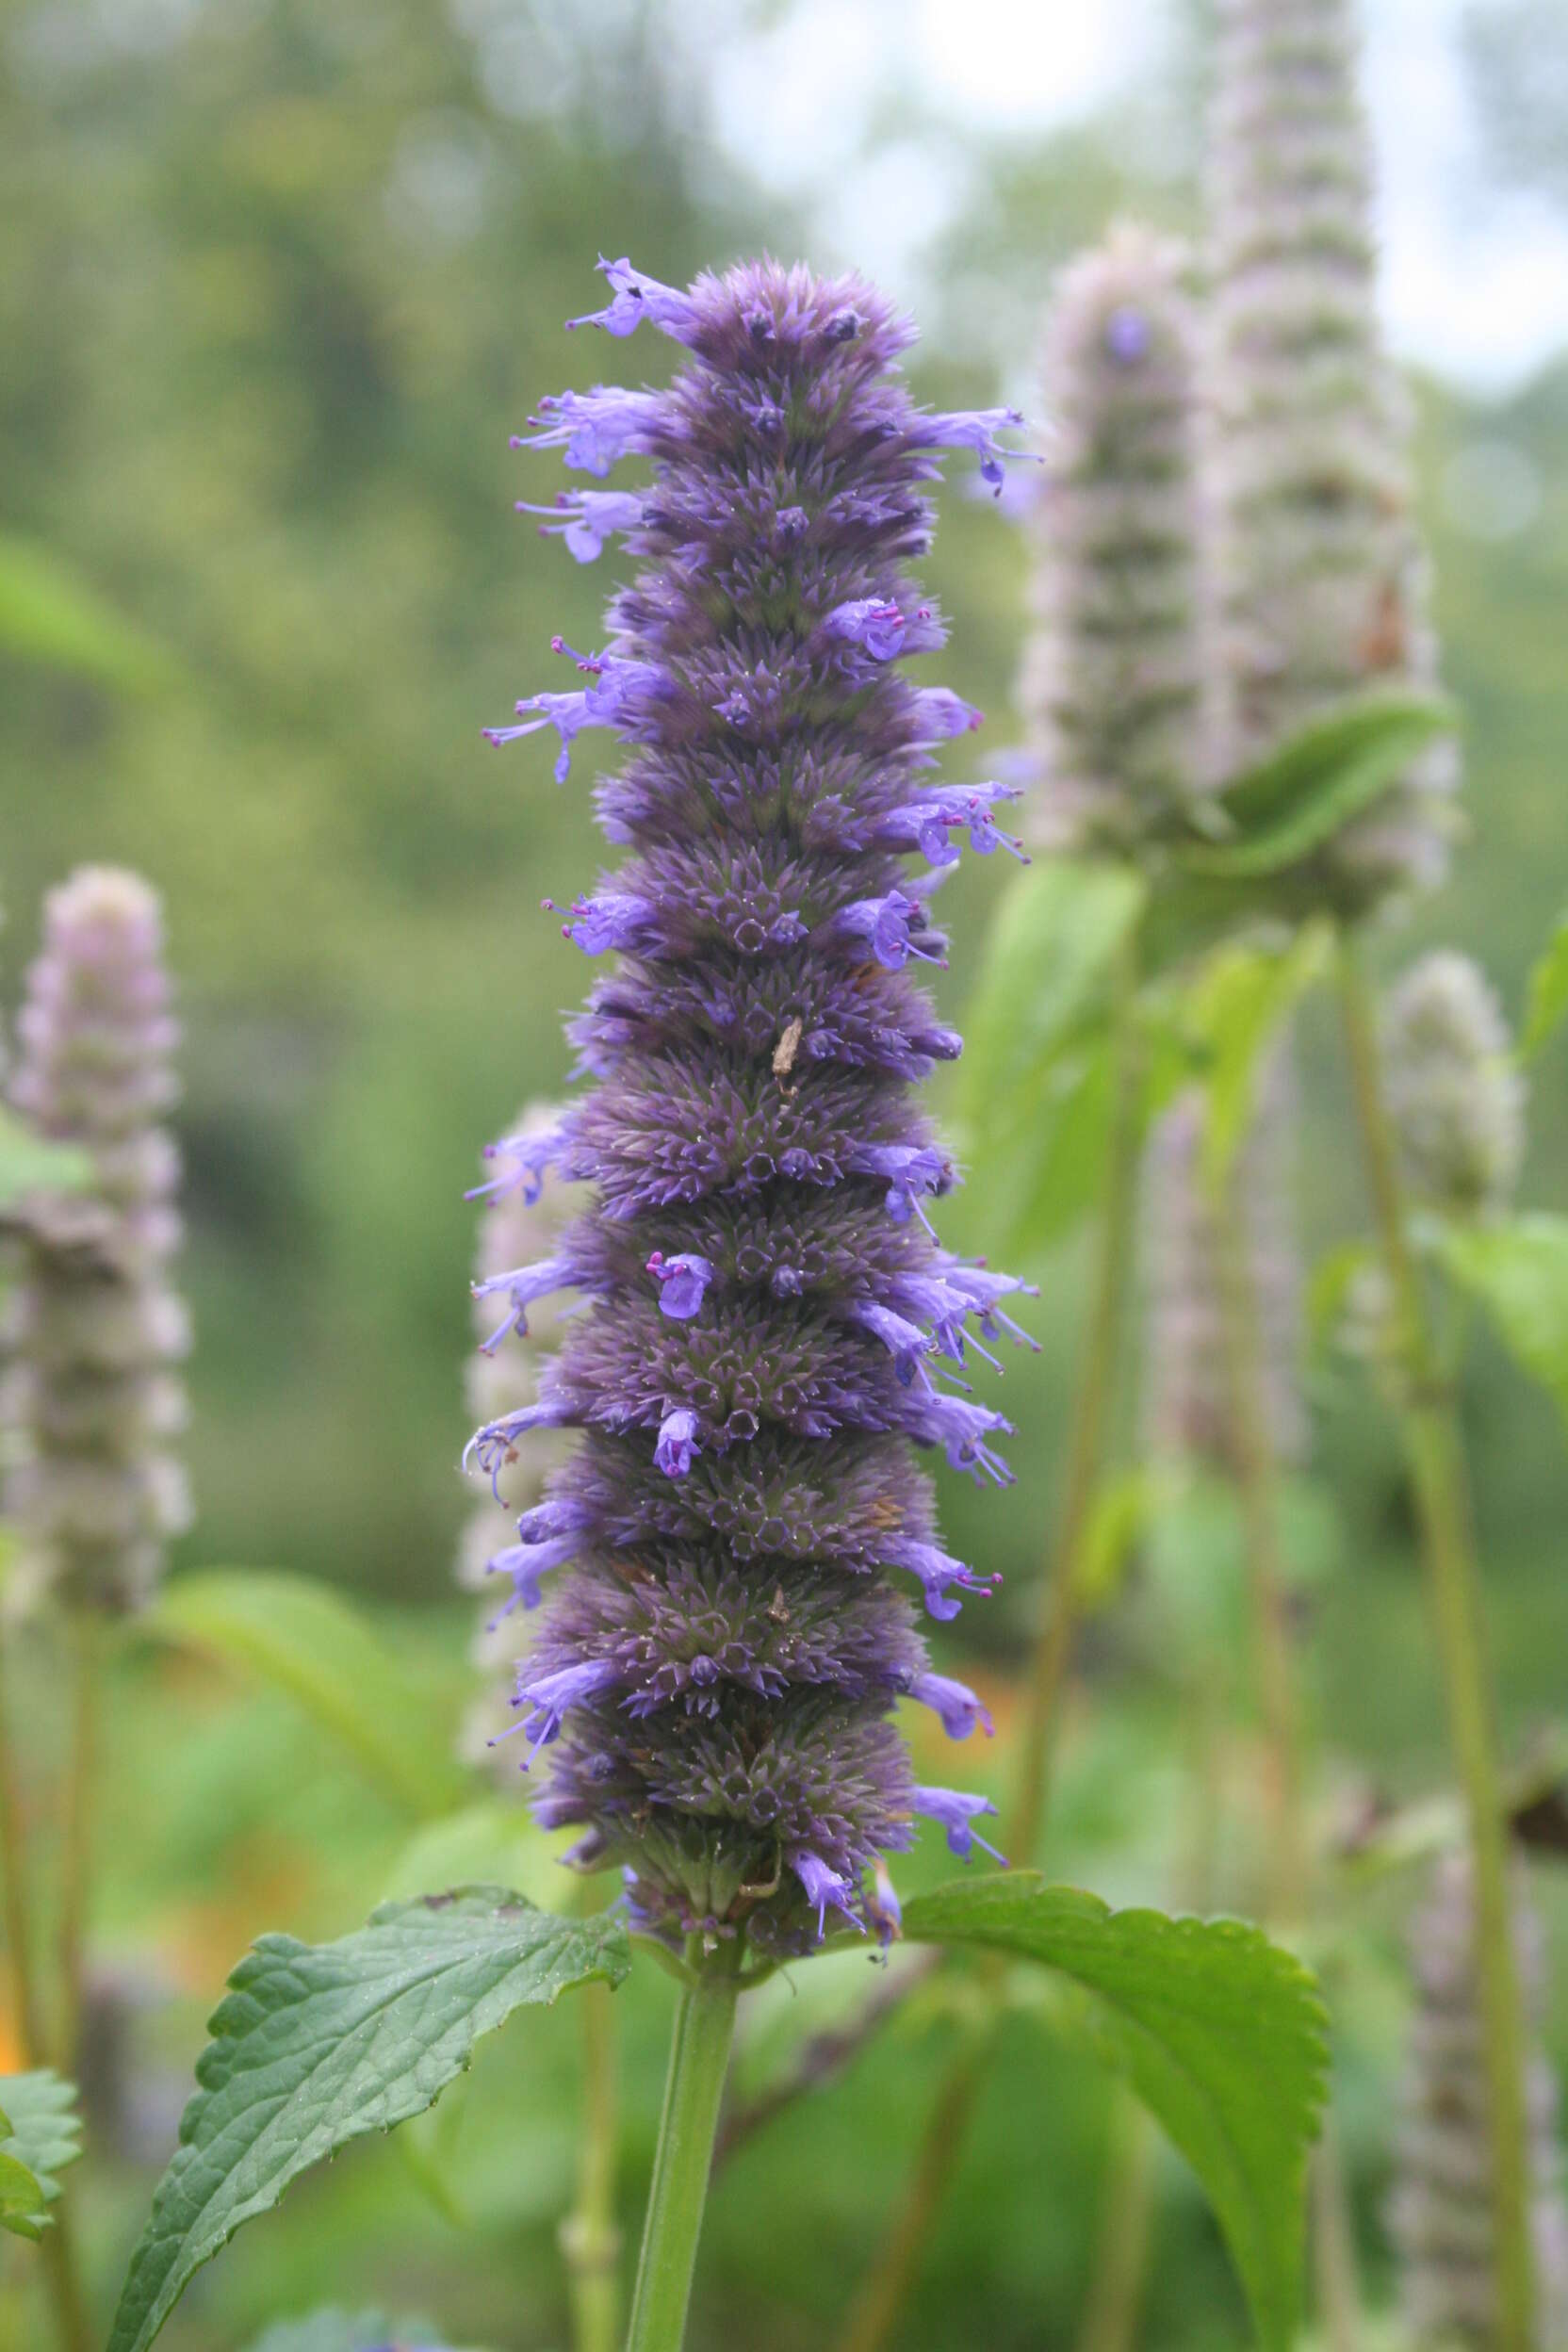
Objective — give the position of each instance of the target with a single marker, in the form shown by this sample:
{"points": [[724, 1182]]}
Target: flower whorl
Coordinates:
{"points": [[1321, 586], [1440, 2213], [1456, 1099], [1188, 1408], [1111, 686], [93, 1327], [715, 1673]]}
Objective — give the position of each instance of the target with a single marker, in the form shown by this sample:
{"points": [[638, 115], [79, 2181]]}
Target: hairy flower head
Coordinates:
{"points": [[1454, 1095]]}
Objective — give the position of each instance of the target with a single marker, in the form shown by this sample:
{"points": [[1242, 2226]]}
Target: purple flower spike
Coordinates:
{"points": [[682, 1281], [634, 298], [724, 1585], [955, 1702], [823, 1886], [957, 1809], [677, 1442]]}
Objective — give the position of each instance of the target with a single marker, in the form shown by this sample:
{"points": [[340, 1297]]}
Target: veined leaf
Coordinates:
{"points": [[1240, 1004], [310, 1641], [1519, 1271], [317, 2045], [1045, 985], [1548, 998], [1221, 2033], [39, 2135], [1327, 773]]}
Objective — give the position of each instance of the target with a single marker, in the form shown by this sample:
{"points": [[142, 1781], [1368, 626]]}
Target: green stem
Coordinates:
{"points": [[590, 2239], [882, 2296], [1090, 1419], [1334, 2245], [1257, 1475], [1126, 2214], [77, 1843], [699, 2059], [1438, 1475]]}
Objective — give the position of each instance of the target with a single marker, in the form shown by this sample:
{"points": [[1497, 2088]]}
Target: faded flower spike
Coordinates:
{"points": [[1321, 584], [1454, 1095], [738, 1549], [1188, 1396], [1439, 2213], [93, 1327], [1112, 674]]}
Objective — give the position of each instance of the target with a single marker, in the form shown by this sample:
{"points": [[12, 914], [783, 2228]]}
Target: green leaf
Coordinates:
{"points": [[317, 2045], [348, 2331], [1220, 2032], [39, 2135], [1314, 783], [1328, 1287], [310, 1641], [1548, 998], [1519, 1272], [1123, 1509], [1045, 985], [27, 1163], [48, 613], [1241, 1003]]}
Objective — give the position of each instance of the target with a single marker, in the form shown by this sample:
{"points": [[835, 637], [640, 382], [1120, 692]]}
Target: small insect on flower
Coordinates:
{"points": [[736, 1552]]}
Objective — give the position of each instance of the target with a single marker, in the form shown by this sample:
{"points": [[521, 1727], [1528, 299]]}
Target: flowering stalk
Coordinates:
{"points": [[1444, 2243], [1435, 1452], [768, 1312], [1320, 581]]}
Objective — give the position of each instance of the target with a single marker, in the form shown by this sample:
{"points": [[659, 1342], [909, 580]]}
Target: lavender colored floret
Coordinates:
{"points": [[738, 1552]]}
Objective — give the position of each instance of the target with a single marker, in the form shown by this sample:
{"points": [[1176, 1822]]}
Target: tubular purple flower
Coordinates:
{"points": [[89, 1399], [715, 1667], [634, 298], [957, 1810], [586, 518], [976, 429], [682, 1281], [955, 1702]]}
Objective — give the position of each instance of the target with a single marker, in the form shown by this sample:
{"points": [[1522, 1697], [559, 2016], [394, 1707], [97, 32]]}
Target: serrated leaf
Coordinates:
{"points": [[307, 1639], [1546, 999], [1241, 1004], [29, 1164], [1329, 771], [39, 2135], [1221, 2033], [348, 2331], [1044, 985], [317, 2045], [1519, 1271], [50, 614]]}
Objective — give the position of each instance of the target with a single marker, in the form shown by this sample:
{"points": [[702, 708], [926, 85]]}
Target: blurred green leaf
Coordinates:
{"points": [[1122, 1510], [48, 613], [317, 2045], [1221, 2033], [1241, 1002], [1045, 984], [1519, 1272], [1330, 1286], [1314, 783], [39, 2135], [308, 1641], [29, 1164], [346, 2331], [1548, 998]]}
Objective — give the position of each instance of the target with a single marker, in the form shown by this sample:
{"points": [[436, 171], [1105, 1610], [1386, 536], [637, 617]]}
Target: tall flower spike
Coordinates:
{"points": [[93, 1327], [1186, 1406], [1456, 1098], [1112, 679], [1439, 2212], [710, 1690], [1321, 584]]}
